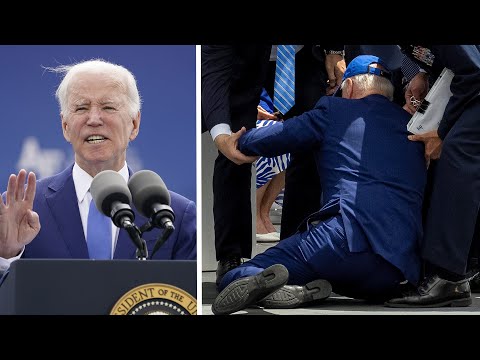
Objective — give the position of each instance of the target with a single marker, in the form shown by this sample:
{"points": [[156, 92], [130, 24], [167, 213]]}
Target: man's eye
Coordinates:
{"points": [[81, 108]]}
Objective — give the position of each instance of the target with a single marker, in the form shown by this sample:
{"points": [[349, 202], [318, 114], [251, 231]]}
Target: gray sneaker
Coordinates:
{"points": [[246, 291], [292, 296]]}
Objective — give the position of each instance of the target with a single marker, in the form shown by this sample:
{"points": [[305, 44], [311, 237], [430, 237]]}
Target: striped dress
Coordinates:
{"points": [[267, 168]]}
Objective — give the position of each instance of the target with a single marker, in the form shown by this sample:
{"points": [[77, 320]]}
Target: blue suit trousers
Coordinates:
{"points": [[321, 252]]}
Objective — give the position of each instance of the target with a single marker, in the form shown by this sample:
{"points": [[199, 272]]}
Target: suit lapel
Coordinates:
{"points": [[63, 205]]}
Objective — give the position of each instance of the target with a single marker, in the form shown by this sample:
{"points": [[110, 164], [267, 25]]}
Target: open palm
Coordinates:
{"points": [[18, 223]]}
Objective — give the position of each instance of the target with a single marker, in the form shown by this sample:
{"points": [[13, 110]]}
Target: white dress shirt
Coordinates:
{"points": [[82, 181]]}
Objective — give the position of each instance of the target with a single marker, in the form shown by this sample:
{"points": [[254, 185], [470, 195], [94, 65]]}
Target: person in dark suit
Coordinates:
{"points": [[100, 113], [318, 72], [232, 81], [358, 242], [450, 231]]}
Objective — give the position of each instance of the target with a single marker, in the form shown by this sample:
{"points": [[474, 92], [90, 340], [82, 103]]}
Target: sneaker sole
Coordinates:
{"points": [[289, 297], [247, 291]]}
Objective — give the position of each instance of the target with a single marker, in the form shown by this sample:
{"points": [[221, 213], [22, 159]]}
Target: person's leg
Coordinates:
{"points": [[302, 195], [261, 276], [363, 275], [232, 214], [232, 208], [260, 194], [249, 290], [270, 182], [314, 259], [455, 199], [451, 218], [274, 188], [473, 259], [287, 253]]}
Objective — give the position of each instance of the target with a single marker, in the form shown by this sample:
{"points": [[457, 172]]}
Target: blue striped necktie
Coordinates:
{"points": [[284, 89], [99, 234]]}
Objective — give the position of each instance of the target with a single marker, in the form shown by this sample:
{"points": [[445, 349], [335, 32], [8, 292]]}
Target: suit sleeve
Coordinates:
{"points": [[464, 61], [217, 62], [186, 245], [298, 133]]}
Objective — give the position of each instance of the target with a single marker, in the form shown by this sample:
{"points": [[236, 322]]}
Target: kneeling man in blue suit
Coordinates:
{"points": [[364, 241], [100, 113]]}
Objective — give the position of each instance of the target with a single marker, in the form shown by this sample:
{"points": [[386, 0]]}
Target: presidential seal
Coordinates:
{"points": [[155, 299]]}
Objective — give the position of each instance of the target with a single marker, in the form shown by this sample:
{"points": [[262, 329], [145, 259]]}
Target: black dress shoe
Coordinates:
{"points": [[475, 284], [435, 292], [292, 296], [225, 266], [246, 291]]}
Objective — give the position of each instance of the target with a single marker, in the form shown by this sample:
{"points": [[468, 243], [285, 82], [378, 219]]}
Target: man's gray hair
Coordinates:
{"points": [[368, 83], [121, 75]]}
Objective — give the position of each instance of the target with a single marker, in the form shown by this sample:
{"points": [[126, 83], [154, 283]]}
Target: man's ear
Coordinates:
{"points": [[66, 135], [136, 126], [347, 91]]}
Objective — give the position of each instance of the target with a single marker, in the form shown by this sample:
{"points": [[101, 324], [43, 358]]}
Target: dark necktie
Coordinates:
{"points": [[284, 88]]}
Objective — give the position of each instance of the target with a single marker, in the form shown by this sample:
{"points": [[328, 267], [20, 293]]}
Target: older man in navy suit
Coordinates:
{"points": [[100, 112], [364, 241]]}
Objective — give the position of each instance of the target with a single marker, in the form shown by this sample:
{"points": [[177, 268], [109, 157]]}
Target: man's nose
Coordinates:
{"points": [[94, 117]]}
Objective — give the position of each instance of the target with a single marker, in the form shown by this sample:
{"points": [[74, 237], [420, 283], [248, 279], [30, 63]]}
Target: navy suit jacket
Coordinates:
{"points": [[370, 172], [61, 234]]}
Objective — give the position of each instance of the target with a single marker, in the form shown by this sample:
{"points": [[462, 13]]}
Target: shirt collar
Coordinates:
{"points": [[82, 180]]}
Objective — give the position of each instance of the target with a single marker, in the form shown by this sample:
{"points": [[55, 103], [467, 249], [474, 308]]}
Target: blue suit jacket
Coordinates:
{"points": [[61, 234], [370, 172]]}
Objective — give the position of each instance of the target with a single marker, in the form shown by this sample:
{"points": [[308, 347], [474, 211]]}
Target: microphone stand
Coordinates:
{"points": [[136, 236], [122, 216], [164, 235]]}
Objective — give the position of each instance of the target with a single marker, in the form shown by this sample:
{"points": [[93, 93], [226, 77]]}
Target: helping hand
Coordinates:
{"points": [[433, 145], [416, 91], [18, 223], [335, 67], [228, 146]]}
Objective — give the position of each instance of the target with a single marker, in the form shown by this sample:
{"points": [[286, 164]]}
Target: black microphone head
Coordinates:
{"points": [[147, 188], [107, 187]]}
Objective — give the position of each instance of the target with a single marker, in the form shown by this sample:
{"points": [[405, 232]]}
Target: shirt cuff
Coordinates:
{"points": [[5, 263], [220, 129]]}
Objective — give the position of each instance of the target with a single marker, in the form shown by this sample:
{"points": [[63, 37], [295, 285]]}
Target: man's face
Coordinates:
{"points": [[98, 123]]}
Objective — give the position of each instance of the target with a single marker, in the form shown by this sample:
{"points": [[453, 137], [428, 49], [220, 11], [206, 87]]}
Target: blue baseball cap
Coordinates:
{"points": [[361, 65]]}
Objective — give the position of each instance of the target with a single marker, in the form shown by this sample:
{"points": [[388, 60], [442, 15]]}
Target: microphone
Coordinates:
{"points": [[112, 197], [152, 200]]}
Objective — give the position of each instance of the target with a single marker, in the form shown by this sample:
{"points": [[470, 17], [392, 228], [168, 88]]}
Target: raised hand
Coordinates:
{"points": [[19, 224]]}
